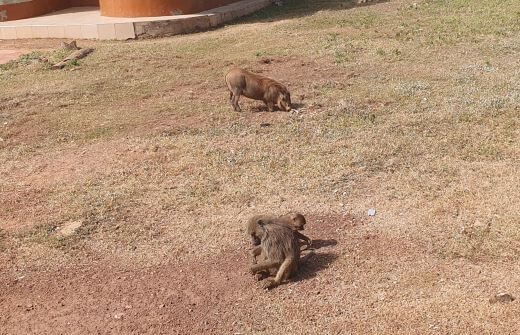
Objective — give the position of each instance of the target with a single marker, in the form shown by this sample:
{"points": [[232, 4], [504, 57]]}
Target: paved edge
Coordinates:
{"points": [[142, 29], [206, 20]]}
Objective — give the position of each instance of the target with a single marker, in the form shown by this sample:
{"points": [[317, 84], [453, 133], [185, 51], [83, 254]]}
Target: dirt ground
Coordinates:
{"points": [[9, 55], [126, 179]]}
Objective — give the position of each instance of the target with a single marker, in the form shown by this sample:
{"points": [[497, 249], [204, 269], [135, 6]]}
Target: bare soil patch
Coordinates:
{"points": [[211, 296], [8, 55]]}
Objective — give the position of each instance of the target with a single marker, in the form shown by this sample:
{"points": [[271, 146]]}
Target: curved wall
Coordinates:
{"points": [[23, 10], [140, 8], [115, 8]]}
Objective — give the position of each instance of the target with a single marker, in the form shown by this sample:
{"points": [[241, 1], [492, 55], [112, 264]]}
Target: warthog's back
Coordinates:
{"points": [[248, 84], [236, 78]]}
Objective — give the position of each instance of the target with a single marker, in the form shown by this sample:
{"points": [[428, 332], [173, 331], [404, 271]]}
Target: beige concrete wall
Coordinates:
{"points": [[24, 9]]}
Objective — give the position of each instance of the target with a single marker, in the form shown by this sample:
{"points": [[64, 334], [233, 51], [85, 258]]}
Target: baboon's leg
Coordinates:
{"points": [[263, 266], [284, 272], [256, 252]]}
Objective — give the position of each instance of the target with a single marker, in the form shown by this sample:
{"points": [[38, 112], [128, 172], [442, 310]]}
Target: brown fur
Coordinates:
{"points": [[290, 222], [272, 93], [280, 247], [293, 220]]}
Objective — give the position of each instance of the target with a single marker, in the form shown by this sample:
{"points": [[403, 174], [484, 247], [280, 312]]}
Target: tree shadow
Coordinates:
{"points": [[299, 8]]}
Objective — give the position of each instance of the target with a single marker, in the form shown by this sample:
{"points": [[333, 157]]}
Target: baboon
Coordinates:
{"points": [[280, 247], [253, 86], [292, 220], [296, 222]]}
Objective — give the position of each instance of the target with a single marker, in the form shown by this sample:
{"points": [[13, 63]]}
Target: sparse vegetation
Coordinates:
{"points": [[408, 107]]}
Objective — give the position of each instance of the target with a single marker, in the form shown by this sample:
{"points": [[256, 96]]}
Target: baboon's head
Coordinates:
{"points": [[298, 220], [256, 230]]}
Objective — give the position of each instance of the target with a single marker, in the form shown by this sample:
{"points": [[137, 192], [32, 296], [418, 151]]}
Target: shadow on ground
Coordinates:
{"points": [[263, 108], [319, 261], [317, 244]]}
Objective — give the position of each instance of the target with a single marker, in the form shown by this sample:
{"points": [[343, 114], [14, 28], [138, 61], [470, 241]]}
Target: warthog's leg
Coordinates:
{"points": [[235, 95], [270, 107]]}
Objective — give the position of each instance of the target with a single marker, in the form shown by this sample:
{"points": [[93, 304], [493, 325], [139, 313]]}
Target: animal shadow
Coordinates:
{"points": [[263, 108], [314, 264], [297, 105], [317, 244], [259, 109]]}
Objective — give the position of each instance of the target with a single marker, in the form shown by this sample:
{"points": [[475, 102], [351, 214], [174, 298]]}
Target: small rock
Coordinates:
{"points": [[265, 124], [502, 297], [371, 212], [69, 228], [118, 316]]}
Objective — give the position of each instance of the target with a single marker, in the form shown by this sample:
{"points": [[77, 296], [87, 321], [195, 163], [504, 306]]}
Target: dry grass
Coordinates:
{"points": [[410, 107]]}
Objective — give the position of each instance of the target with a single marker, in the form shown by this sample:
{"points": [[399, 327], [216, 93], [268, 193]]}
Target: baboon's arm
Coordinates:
{"points": [[255, 253], [304, 238]]}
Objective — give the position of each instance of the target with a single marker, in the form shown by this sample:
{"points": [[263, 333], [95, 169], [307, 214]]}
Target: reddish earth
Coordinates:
{"points": [[9, 55], [212, 296], [137, 150]]}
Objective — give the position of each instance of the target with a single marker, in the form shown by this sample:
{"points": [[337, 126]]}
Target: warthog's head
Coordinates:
{"points": [[280, 96], [284, 100]]}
